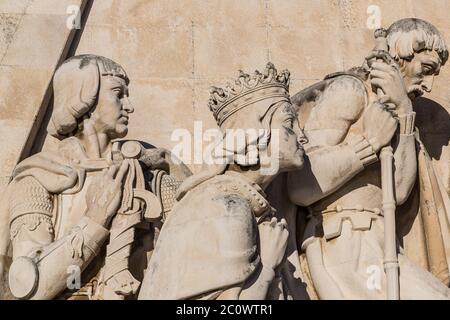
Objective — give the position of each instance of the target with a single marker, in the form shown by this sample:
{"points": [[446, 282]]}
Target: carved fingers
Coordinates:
{"points": [[105, 193], [386, 75], [123, 283], [379, 125], [121, 174], [380, 55], [115, 187], [110, 172], [273, 236]]}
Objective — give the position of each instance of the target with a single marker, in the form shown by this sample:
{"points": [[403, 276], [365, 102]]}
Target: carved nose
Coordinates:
{"points": [[301, 138], [427, 84], [127, 106]]}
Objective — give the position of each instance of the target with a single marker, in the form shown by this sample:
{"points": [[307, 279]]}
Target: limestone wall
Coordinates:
{"points": [[33, 40], [174, 50]]}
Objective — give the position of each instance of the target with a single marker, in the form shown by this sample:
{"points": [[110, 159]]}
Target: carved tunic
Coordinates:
{"points": [[209, 242], [49, 229]]}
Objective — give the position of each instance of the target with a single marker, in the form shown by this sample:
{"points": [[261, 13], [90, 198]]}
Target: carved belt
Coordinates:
{"points": [[332, 219]]}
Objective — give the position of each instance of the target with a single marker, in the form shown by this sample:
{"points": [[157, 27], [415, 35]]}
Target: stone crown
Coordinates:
{"points": [[246, 90]]}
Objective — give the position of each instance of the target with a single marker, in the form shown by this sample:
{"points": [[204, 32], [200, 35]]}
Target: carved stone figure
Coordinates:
{"points": [[293, 206], [221, 240], [62, 207], [341, 236]]}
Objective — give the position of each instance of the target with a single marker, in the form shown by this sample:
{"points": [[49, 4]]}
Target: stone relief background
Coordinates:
{"points": [[174, 50]]}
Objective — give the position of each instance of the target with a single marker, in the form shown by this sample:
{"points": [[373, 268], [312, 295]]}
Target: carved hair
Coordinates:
{"points": [[408, 36], [75, 87]]}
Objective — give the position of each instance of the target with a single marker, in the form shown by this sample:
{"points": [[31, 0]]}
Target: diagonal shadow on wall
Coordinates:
{"points": [[433, 121]]}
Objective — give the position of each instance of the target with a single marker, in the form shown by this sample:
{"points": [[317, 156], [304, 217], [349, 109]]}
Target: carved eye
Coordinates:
{"points": [[427, 69], [118, 92], [289, 122]]}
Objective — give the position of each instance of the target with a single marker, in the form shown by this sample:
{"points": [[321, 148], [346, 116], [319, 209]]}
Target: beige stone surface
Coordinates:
{"points": [[174, 51], [8, 27], [18, 101], [231, 201], [199, 43], [36, 44], [14, 7], [50, 7], [44, 278], [345, 221], [33, 36], [13, 132]]}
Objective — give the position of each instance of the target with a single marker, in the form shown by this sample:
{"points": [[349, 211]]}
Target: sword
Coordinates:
{"points": [[390, 261]]}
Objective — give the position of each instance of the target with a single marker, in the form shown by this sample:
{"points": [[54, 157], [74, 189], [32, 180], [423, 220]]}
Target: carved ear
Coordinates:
{"points": [[75, 93]]}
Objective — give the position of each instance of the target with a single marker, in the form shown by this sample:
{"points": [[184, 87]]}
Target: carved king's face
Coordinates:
{"points": [[290, 138], [111, 112], [420, 71]]}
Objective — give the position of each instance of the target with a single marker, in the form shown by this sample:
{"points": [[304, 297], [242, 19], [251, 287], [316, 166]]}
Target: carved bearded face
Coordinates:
{"points": [[290, 138], [420, 71], [111, 112]]}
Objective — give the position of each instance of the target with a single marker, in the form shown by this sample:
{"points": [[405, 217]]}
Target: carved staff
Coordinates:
{"points": [[391, 266]]}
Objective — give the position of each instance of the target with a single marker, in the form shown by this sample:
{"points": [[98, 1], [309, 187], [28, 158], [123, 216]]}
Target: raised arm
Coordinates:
{"points": [[332, 158], [335, 154], [389, 78]]}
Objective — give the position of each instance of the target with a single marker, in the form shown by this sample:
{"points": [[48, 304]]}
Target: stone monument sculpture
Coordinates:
{"points": [[294, 208], [341, 234], [221, 240], [79, 209]]}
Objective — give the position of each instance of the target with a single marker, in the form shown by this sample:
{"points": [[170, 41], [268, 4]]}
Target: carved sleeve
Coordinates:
{"points": [[30, 208], [331, 146], [335, 110], [35, 250], [405, 158], [312, 182]]}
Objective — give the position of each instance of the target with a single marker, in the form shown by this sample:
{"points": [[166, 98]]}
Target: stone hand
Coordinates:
{"points": [[386, 75], [105, 193], [379, 125], [273, 237], [123, 283], [155, 159]]}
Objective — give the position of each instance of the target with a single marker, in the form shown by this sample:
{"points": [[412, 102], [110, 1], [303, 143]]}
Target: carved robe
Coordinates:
{"points": [[209, 241], [423, 221]]}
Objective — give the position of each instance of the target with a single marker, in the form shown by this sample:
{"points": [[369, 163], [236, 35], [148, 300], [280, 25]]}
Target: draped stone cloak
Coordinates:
{"points": [[209, 242]]}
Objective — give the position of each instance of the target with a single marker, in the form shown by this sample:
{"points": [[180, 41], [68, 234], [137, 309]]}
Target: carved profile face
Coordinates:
{"points": [[420, 71], [290, 138], [113, 107]]}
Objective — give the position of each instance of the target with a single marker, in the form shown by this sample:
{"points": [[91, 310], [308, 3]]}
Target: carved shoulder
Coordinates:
{"points": [[333, 105], [28, 196], [343, 97]]}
